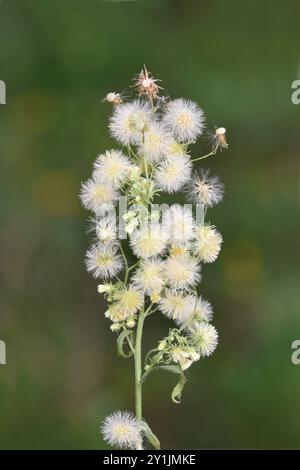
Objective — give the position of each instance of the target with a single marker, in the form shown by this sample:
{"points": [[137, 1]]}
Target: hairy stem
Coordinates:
{"points": [[138, 366]]}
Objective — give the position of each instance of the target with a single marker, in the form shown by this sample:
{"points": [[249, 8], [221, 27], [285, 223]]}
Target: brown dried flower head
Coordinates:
{"points": [[147, 85]]}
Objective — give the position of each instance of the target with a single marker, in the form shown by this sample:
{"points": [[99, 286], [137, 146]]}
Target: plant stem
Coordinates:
{"points": [[213, 152], [126, 264], [138, 366], [146, 168], [131, 152], [133, 266]]}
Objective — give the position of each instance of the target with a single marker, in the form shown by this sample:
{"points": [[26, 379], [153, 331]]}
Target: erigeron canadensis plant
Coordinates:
{"points": [[167, 248]]}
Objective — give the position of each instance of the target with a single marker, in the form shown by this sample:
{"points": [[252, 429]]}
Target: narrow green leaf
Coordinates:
{"points": [[174, 368], [123, 340], [177, 390], [154, 441]]}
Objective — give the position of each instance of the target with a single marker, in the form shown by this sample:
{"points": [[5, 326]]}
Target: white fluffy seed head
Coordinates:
{"points": [[129, 120], [112, 166], [116, 314], [106, 228], [122, 430], [182, 271], [206, 338], [98, 196], [176, 305], [148, 241], [184, 119], [178, 224], [129, 300], [149, 277], [103, 261], [201, 311], [173, 173], [206, 190], [154, 144], [208, 243]]}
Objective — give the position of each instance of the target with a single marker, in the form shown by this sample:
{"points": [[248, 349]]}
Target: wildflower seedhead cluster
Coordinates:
{"points": [[157, 268]]}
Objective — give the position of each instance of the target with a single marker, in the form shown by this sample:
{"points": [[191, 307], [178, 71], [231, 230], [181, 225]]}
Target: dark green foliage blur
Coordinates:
{"points": [[237, 59]]}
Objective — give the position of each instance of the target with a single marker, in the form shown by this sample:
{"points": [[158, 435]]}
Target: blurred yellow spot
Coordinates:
{"points": [[57, 192], [243, 270], [35, 111]]}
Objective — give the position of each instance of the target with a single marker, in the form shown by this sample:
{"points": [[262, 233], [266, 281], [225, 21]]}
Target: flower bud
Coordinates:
{"points": [[113, 98], [195, 356], [134, 172], [130, 323], [131, 226], [162, 344], [102, 288], [129, 215], [115, 327]]}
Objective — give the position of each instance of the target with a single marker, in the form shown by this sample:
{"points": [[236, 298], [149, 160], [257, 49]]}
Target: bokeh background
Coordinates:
{"points": [[237, 60]]}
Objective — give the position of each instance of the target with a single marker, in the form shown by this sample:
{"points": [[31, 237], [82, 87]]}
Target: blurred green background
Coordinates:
{"points": [[237, 60]]}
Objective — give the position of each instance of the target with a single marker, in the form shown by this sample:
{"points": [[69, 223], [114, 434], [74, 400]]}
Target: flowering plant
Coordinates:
{"points": [[153, 253]]}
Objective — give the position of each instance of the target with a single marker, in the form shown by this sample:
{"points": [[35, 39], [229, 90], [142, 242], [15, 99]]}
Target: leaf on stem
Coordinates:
{"points": [[154, 441], [125, 339], [177, 390], [175, 369]]}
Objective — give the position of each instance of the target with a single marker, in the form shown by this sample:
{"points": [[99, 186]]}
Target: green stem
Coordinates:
{"points": [[133, 266], [213, 152], [145, 163], [125, 263], [146, 168], [131, 152], [138, 366]]}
